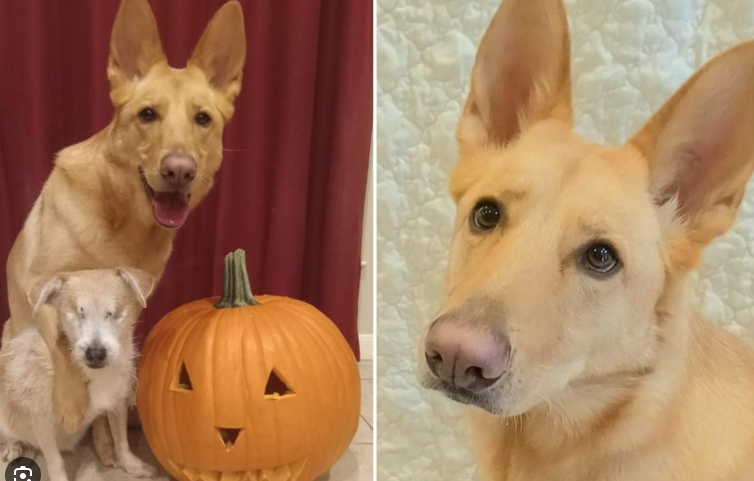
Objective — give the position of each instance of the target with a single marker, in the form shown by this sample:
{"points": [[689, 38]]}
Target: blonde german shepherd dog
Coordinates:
{"points": [[117, 198], [565, 324]]}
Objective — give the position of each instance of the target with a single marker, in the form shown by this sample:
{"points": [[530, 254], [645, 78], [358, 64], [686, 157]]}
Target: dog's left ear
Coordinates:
{"points": [[221, 51], [700, 150], [43, 292], [140, 282]]}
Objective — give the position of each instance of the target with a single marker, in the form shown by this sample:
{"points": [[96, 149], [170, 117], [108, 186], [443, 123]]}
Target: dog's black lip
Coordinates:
{"points": [[457, 394], [150, 191], [480, 400], [461, 395]]}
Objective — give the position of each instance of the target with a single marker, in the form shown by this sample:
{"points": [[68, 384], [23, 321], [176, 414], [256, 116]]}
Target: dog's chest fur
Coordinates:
{"points": [[109, 387]]}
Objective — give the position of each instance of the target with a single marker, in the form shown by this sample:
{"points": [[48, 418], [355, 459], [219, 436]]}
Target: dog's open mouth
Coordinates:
{"points": [[288, 472], [171, 208]]}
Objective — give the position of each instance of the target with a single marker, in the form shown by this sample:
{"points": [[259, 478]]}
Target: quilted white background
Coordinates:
{"points": [[628, 57]]}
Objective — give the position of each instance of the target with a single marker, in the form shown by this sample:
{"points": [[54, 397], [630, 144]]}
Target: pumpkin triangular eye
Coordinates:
{"points": [[276, 387], [229, 436], [182, 381]]}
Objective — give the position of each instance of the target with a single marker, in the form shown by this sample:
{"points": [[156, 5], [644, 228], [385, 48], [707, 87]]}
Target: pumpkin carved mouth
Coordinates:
{"points": [[288, 472]]}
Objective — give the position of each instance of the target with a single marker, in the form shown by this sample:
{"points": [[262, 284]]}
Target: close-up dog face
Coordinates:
{"points": [[168, 126], [564, 251], [97, 310], [555, 269]]}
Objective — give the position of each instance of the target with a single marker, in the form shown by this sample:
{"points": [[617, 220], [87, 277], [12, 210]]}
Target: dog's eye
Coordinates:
{"points": [[600, 258], [485, 216], [147, 115], [108, 315], [81, 313], [203, 118]]}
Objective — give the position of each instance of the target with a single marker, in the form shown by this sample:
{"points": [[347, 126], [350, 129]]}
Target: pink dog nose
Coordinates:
{"points": [[466, 357], [178, 170]]}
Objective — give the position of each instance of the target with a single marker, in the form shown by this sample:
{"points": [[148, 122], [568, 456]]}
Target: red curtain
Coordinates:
{"points": [[291, 189]]}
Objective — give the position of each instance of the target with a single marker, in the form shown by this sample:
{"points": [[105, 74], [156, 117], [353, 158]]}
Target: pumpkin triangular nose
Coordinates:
{"points": [[229, 436]]}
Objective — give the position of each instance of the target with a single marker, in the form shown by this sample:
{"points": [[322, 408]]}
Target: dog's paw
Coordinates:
{"points": [[106, 456], [11, 451], [70, 413], [70, 402], [71, 419], [136, 467]]}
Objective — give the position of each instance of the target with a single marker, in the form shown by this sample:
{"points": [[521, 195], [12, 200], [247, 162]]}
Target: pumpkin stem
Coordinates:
{"points": [[236, 288]]}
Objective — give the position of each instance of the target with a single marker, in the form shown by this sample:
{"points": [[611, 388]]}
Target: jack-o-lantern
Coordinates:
{"points": [[243, 388]]}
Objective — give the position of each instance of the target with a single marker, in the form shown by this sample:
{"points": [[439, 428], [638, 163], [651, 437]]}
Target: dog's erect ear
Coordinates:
{"points": [[221, 51], [43, 292], [700, 148], [521, 74], [140, 282], [134, 44]]}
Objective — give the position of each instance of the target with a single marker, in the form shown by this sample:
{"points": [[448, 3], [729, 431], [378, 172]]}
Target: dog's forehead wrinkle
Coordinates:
{"points": [[165, 88], [593, 229], [544, 174], [178, 79]]}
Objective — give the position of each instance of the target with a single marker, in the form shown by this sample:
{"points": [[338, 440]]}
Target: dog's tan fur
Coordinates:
{"points": [[612, 379], [94, 211]]}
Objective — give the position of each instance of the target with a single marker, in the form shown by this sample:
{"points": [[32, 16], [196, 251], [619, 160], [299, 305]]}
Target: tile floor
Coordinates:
{"points": [[355, 465]]}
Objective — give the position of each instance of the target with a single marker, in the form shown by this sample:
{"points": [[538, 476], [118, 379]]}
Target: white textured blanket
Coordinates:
{"points": [[628, 57]]}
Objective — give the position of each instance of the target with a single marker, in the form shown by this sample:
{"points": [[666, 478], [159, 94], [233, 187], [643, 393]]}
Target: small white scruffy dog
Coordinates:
{"points": [[97, 311]]}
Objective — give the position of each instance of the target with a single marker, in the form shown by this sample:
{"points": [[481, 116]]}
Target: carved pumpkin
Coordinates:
{"points": [[244, 388]]}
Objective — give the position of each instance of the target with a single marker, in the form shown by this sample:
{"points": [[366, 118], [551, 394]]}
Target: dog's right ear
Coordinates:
{"points": [[521, 74], [134, 44], [43, 292]]}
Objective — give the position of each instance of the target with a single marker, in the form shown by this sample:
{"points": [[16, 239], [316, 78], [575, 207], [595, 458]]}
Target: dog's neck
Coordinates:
{"points": [[603, 407]]}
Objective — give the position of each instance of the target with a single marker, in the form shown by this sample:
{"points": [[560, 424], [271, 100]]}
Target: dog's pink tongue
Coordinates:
{"points": [[170, 208]]}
